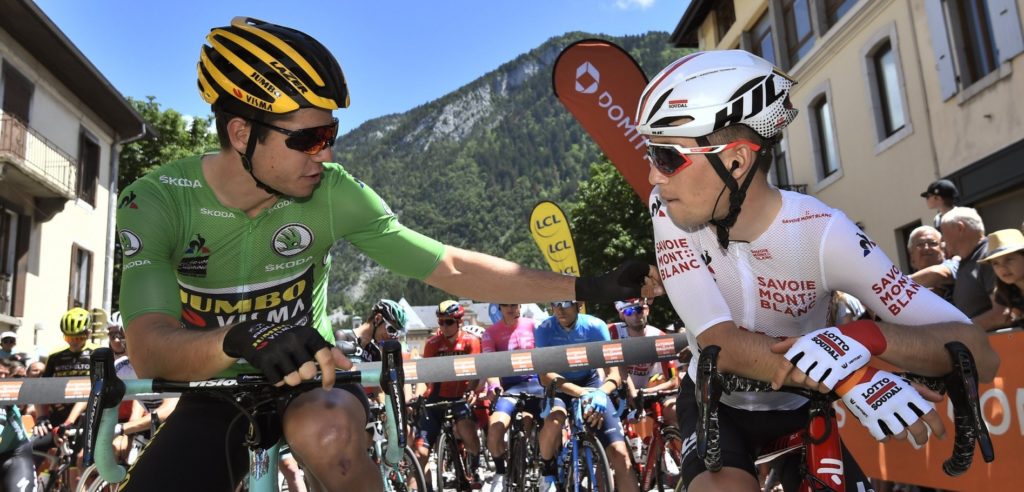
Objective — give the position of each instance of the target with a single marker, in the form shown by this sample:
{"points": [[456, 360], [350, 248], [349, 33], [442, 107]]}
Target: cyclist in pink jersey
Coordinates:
{"points": [[511, 332]]}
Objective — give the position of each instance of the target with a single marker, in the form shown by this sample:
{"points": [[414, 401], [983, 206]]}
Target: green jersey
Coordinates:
{"points": [[189, 256]]}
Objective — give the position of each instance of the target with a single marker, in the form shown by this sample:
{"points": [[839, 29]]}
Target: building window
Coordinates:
{"points": [[887, 86], [799, 38], [81, 277], [725, 17], [761, 42], [836, 9], [88, 167], [971, 38], [8, 259], [827, 153], [780, 172], [17, 93]]}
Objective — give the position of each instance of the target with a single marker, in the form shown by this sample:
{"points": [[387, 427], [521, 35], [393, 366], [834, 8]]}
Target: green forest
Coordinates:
{"points": [[468, 168]]}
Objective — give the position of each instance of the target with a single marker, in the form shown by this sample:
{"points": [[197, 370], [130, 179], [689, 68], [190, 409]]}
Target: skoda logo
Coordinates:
{"points": [[587, 78], [130, 242], [292, 239]]}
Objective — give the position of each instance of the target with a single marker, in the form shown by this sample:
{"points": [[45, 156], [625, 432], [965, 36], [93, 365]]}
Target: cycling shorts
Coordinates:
{"points": [[200, 447], [507, 404], [430, 420], [611, 427], [743, 433], [17, 468]]}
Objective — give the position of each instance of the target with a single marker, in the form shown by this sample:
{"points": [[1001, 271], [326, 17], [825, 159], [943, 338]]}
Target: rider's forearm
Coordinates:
{"points": [[744, 353], [566, 387], [76, 411], [160, 347], [920, 349], [472, 274]]}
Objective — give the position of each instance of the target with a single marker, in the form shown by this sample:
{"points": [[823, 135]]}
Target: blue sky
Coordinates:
{"points": [[395, 54]]}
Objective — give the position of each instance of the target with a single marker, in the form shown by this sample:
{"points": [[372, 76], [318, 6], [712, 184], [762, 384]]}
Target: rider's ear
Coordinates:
{"points": [[238, 132]]}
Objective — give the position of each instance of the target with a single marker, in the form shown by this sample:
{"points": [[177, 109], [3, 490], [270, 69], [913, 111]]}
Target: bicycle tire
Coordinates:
{"points": [[90, 481], [449, 462], [591, 467], [409, 475], [517, 463], [672, 450]]}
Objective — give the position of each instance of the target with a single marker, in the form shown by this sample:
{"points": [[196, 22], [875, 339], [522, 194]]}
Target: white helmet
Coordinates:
{"points": [[716, 89], [115, 319]]}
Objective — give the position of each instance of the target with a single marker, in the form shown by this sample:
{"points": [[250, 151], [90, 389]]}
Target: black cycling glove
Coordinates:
{"points": [[624, 282], [274, 349]]}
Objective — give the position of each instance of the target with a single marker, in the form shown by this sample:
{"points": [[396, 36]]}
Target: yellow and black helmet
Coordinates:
{"points": [[269, 68], [75, 322]]}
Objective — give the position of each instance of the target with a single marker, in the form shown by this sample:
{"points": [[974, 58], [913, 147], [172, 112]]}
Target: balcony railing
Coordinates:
{"points": [[27, 149]]}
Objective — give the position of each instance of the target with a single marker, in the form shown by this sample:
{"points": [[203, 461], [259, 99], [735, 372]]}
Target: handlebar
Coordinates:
{"points": [[107, 391], [961, 385]]}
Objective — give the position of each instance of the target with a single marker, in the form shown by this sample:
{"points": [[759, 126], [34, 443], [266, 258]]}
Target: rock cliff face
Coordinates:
{"points": [[468, 167]]}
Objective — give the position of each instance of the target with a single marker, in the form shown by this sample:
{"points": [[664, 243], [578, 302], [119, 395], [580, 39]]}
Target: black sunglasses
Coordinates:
{"points": [[307, 140], [447, 322]]}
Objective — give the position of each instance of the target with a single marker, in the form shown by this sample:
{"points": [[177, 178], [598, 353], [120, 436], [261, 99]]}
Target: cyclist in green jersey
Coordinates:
{"points": [[226, 258]]}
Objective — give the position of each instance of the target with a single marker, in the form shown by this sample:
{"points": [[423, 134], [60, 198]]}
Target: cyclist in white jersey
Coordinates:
{"points": [[651, 376], [745, 265]]}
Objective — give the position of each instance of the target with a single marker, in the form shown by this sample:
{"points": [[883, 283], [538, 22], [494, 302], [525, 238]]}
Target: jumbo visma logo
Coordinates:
{"points": [[292, 239]]}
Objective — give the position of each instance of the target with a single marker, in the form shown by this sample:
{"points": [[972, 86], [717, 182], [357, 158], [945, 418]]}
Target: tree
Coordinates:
{"points": [[178, 137], [609, 225]]}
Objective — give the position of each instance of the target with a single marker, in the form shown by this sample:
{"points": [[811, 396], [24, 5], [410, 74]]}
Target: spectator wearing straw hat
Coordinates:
{"points": [[1006, 256], [941, 195]]}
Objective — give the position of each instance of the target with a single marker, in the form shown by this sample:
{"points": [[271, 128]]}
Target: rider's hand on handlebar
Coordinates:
{"points": [[889, 406], [285, 352], [824, 357], [594, 403]]}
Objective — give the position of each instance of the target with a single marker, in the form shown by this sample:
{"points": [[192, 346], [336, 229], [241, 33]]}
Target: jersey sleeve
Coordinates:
{"points": [[429, 349], [540, 336], [853, 263], [486, 342], [600, 331], [690, 286], [361, 217], [147, 226]]}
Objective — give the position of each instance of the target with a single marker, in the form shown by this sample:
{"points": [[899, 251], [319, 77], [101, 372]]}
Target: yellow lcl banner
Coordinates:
{"points": [[550, 230]]}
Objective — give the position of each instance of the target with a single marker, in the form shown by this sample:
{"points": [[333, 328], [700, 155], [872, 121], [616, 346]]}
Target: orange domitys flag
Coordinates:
{"points": [[600, 84]]}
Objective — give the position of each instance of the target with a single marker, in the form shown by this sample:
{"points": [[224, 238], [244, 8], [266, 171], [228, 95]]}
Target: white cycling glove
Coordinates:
{"points": [[830, 355], [883, 402]]}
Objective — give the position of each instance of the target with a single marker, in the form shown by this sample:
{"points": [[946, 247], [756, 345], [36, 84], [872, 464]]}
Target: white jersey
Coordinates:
{"points": [[640, 374], [780, 284]]}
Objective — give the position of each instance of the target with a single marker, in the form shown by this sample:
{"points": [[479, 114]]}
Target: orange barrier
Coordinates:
{"points": [[1003, 407], [600, 84]]}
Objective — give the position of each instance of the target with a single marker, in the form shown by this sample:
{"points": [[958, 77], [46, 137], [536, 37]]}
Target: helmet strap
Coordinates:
{"points": [[737, 193], [250, 149]]}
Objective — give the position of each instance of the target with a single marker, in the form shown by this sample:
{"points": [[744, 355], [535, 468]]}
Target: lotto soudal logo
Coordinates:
{"points": [[465, 366], [576, 356], [880, 392], [522, 362], [612, 353], [664, 347], [130, 242], [677, 103], [291, 239], [832, 344], [127, 201], [587, 78]]}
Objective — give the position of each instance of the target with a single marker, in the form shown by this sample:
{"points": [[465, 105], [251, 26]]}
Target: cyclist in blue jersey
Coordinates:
{"points": [[568, 326]]}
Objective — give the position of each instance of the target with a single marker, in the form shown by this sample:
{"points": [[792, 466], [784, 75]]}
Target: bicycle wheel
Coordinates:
{"points": [[449, 467], [591, 470], [670, 464], [517, 464], [411, 477]]}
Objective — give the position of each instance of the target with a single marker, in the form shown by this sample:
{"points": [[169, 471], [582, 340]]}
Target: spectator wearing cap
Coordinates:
{"points": [[652, 376], [941, 195], [7, 341], [928, 261], [964, 234], [1006, 255]]}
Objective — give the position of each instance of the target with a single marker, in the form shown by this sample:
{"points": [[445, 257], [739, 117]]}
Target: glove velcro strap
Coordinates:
{"points": [[859, 376], [867, 333]]}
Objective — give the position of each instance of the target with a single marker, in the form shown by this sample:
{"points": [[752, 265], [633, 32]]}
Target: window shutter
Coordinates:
{"points": [[1006, 28], [940, 44]]}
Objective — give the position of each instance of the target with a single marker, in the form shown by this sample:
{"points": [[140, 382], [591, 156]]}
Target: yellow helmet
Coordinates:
{"points": [[75, 322], [269, 68]]}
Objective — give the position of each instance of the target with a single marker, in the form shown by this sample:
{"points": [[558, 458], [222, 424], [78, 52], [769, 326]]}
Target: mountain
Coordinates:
{"points": [[468, 168]]}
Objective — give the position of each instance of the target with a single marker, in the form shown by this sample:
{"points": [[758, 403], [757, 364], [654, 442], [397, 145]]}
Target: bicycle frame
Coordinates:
{"points": [[572, 449], [108, 390], [647, 468]]}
